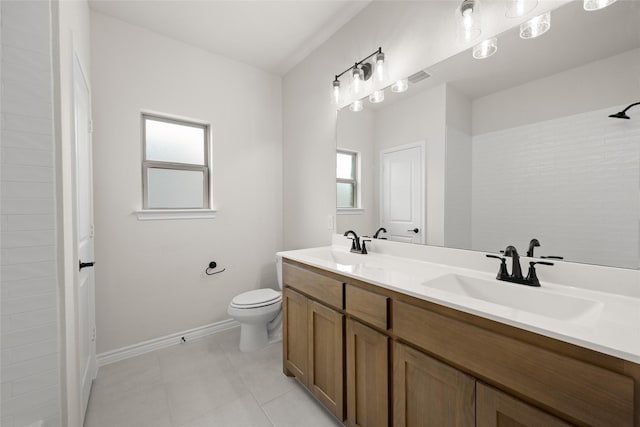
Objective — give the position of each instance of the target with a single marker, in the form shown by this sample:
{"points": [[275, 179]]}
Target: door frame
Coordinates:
{"points": [[422, 144]]}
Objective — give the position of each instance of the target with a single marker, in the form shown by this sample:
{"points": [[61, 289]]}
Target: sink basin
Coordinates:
{"points": [[518, 297], [334, 256]]}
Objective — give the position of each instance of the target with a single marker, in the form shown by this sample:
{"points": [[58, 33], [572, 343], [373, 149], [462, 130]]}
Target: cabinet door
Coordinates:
{"points": [[496, 408], [367, 376], [427, 392], [294, 335], [326, 369]]}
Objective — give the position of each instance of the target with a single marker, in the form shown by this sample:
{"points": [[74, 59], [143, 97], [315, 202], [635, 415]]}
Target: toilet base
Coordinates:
{"points": [[253, 336]]}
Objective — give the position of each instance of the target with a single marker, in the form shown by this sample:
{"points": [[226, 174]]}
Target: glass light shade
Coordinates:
{"points": [[468, 20], [517, 8], [485, 49], [380, 68], [376, 97], [400, 86], [335, 92], [536, 27], [357, 80], [356, 105], [590, 5]]}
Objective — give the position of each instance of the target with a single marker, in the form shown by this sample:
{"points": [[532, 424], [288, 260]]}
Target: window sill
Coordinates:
{"points": [[349, 211], [164, 214]]}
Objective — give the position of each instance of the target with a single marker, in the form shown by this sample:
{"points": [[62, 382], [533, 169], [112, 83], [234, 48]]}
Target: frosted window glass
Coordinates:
{"points": [[345, 166], [175, 188], [172, 142], [345, 195]]}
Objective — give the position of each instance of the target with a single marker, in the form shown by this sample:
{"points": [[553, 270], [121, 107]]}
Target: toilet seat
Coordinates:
{"points": [[256, 298]]}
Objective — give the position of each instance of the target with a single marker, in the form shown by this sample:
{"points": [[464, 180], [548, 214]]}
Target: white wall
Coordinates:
{"points": [[356, 133], [457, 198], [149, 274], [607, 82], [420, 118], [30, 371], [524, 161], [414, 35]]}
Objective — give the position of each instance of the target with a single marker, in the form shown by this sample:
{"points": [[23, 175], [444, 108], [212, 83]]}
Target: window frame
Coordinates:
{"points": [[159, 164], [355, 181]]}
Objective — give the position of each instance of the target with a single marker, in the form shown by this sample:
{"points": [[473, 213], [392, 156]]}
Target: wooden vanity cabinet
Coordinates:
{"points": [[313, 338], [383, 358], [428, 393], [367, 376], [497, 409]]}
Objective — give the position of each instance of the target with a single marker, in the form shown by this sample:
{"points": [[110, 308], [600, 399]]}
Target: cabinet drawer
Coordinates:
{"points": [[559, 384], [367, 306], [324, 289]]}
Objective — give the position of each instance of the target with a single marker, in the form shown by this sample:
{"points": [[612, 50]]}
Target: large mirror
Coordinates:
{"points": [[485, 153]]}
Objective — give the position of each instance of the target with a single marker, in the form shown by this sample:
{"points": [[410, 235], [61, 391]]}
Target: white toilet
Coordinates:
{"points": [[258, 313]]}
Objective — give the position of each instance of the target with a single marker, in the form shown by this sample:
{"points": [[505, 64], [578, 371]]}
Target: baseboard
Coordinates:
{"points": [[163, 342]]}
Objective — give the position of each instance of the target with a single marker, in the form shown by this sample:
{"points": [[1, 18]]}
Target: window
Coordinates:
{"points": [[175, 166], [347, 179]]}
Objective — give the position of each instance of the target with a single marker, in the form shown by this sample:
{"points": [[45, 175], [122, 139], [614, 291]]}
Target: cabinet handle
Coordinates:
{"points": [[415, 230]]}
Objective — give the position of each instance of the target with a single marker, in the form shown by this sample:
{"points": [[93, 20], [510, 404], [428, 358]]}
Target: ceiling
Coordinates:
{"points": [[271, 35], [576, 38]]}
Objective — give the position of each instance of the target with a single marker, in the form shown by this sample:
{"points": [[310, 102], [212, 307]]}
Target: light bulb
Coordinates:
{"points": [[376, 96], [400, 86], [468, 18], [356, 105], [357, 80], [380, 68], [335, 92], [485, 49], [536, 27], [517, 8], [590, 5]]}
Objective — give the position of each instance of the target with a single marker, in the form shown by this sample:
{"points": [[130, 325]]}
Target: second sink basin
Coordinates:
{"points": [[519, 297]]}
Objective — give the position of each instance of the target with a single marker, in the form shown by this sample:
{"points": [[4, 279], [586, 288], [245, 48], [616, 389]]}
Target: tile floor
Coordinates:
{"points": [[203, 383]]}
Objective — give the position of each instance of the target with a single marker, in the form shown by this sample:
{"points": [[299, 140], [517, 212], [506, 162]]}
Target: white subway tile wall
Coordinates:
{"points": [[571, 182], [29, 358]]}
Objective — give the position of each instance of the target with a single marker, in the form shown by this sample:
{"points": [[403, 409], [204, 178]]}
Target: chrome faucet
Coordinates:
{"points": [[516, 270]]}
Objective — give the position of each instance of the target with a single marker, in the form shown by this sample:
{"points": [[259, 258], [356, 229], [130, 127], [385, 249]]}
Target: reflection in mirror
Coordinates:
{"points": [[485, 153]]}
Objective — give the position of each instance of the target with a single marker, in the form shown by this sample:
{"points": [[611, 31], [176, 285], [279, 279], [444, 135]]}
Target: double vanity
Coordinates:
{"points": [[385, 340]]}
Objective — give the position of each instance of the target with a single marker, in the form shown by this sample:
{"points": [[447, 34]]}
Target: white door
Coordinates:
{"points": [[84, 222], [402, 193]]}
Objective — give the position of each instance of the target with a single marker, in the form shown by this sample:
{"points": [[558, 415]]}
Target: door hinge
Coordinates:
{"points": [[91, 231], [90, 126], [93, 334]]}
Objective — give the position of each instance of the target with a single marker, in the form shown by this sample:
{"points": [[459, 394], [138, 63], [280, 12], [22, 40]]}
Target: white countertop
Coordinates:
{"points": [[610, 326]]}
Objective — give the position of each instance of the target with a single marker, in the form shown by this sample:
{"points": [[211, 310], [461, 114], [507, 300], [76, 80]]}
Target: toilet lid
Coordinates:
{"points": [[256, 298]]}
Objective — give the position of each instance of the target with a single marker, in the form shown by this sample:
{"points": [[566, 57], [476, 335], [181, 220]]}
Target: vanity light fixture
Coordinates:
{"points": [[400, 86], [357, 78], [376, 96], [360, 72], [356, 105], [590, 5], [485, 48], [335, 92], [536, 27], [517, 8], [468, 18]]}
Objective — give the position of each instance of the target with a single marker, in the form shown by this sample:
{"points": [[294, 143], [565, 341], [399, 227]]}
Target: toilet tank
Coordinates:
{"points": [[279, 270]]}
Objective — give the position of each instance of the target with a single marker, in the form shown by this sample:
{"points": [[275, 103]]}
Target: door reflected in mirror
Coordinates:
{"points": [[485, 153]]}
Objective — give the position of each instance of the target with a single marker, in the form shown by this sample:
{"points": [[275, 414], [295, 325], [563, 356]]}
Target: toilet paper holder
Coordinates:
{"points": [[212, 266]]}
